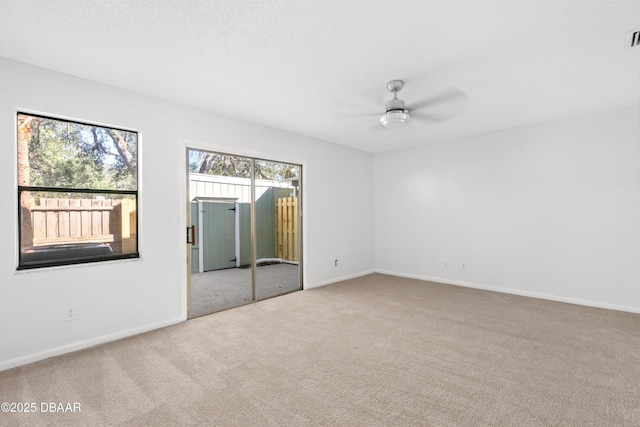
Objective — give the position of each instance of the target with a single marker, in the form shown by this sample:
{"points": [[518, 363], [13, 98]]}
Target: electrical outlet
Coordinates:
{"points": [[70, 313], [463, 266], [335, 263], [446, 264]]}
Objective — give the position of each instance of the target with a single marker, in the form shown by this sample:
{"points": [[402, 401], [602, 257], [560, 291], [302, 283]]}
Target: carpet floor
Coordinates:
{"points": [[372, 351]]}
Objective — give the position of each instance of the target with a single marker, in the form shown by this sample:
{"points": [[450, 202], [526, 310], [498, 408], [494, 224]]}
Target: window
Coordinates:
{"points": [[77, 192]]}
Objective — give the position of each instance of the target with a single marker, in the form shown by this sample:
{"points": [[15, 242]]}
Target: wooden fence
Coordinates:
{"points": [[287, 228], [57, 221]]}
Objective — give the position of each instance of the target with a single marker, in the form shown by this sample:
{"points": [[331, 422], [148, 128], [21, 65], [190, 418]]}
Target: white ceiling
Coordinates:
{"points": [[302, 66]]}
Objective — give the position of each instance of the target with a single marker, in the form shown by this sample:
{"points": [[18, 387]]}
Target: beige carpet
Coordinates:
{"points": [[373, 351]]}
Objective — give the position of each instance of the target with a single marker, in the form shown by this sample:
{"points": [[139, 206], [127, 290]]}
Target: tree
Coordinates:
{"points": [[220, 164], [226, 165], [123, 149], [62, 154], [24, 135]]}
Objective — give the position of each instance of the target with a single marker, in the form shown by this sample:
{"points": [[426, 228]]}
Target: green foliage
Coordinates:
{"points": [[275, 171], [72, 155], [225, 165]]}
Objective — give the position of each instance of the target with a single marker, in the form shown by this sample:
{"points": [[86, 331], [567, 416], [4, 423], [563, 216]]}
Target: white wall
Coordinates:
{"points": [[551, 210], [117, 299]]}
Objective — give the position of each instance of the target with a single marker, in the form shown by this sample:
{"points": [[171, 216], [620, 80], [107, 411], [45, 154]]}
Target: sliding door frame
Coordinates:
{"points": [[253, 227]]}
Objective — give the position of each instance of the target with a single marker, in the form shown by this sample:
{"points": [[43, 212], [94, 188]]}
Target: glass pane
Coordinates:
{"points": [[277, 228], [220, 195], [65, 227], [62, 154]]}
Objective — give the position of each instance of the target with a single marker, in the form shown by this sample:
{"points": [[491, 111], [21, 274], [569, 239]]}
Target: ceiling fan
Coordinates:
{"points": [[396, 115], [451, 101]]}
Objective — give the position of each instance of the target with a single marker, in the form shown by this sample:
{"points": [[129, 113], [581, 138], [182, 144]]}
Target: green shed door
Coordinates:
{"points": [[195, 257], [219, 241]]}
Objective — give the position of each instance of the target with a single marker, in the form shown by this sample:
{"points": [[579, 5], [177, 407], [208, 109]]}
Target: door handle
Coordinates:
{"points": [[191, 235]]}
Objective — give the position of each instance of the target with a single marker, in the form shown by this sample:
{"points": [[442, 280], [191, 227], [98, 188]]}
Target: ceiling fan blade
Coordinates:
{"points": [[432, 118], [362, 125], [353, 116], [450, 98]]}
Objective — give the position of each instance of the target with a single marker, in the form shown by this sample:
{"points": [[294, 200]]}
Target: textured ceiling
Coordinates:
{"points": [[310, 67]]}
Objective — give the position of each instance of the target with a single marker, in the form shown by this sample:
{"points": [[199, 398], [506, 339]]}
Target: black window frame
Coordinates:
{"points": [[28, 188]]}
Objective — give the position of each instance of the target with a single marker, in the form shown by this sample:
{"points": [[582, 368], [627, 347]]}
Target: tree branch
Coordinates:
{"points": [[123, 150]]}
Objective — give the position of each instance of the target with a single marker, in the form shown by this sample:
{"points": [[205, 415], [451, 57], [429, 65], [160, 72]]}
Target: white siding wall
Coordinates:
{"points": [[221, 186]]}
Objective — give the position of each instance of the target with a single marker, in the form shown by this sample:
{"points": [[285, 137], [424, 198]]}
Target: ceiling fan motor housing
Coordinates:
{"points": [[395, 105]]}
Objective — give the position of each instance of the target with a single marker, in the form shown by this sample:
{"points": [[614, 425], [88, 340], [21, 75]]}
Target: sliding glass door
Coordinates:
{"points": [[245, 225], [277, 228]]}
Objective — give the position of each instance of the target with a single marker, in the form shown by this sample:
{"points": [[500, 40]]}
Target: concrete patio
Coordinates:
{"points": [[217, 290]]}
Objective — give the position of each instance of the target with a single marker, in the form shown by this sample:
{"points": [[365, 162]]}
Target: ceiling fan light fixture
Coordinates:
{"points": [[395, 119]]}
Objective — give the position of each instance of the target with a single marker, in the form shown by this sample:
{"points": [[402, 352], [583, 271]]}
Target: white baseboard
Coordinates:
{"points": [[81, 345], [339, 279], [512, 291]]}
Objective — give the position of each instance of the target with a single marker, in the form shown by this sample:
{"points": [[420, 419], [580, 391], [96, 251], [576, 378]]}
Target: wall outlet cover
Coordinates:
{"points": [[70, 313]]}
